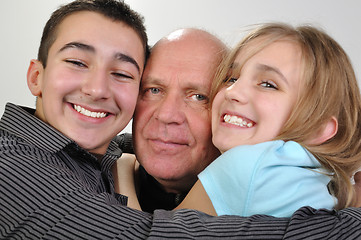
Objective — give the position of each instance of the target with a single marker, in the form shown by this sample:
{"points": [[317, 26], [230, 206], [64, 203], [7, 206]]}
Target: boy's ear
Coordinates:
{"points": [[34, 77], [325, 132]]}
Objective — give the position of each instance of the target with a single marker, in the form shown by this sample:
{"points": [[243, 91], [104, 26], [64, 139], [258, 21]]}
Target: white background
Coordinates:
{"points": [[22, 21]]}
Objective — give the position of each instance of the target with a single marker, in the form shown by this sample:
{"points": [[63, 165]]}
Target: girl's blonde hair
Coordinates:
{"points": [[329, 90]]}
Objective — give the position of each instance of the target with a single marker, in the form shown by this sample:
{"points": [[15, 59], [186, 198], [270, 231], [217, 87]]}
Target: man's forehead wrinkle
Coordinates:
{"points": [[197, 85], [152, 80], [184, 84]]}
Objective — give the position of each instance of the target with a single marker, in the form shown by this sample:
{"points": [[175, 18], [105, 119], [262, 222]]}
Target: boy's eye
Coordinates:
{"points": [[121, 75], [76, 62]]}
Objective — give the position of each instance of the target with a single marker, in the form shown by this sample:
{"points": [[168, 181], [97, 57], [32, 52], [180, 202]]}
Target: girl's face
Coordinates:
{"points": [[259, 98]]}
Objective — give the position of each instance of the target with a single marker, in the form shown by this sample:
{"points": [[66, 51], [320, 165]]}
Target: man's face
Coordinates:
{"points": [[89, 87], [171, 125]]}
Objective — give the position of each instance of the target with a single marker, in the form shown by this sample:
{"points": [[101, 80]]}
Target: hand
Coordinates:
{"points": [[124, 173], [126, 164]]}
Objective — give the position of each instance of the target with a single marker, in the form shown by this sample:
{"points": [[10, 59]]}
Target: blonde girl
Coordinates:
{"points": [[286, 116]]}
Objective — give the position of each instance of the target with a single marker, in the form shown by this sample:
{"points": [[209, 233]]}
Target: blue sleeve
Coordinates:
{"points": [[274, 178]]}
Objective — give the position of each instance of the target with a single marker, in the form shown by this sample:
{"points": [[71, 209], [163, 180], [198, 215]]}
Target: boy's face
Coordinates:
{"points": [[90, 85]]}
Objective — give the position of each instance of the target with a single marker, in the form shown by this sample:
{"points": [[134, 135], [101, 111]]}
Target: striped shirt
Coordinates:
{"points": [[50, 188]]}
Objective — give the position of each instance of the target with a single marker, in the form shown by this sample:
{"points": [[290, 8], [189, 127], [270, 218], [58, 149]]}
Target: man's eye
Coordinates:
{"points": [[199, 97], [154, 90]]}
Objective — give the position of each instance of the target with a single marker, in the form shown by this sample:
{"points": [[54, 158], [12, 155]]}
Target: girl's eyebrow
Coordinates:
{"points": [[86, 47], [267, 68]]}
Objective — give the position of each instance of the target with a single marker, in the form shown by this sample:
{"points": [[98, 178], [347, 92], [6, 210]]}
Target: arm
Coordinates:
{"points": [[357, 188], [123, 173], [43, 197], [198, 199], [79, 213], [305, 223]]}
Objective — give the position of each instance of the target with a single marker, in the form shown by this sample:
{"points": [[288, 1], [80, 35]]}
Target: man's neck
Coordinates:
{"points": [[176, 186]]}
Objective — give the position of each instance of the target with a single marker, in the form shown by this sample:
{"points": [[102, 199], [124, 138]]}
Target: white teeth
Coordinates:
{"points": [[234, 119], [237, 121], [88, 113]]}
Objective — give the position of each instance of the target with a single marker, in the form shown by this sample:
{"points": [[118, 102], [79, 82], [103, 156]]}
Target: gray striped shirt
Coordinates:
{"points": [[50, 188]]}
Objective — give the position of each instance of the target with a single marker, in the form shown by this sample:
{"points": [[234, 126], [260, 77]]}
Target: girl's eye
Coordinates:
{"points": [[269, 84], [230, 81], [233, 80]]}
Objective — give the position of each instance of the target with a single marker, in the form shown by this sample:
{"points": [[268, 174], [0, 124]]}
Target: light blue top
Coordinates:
{"points": [[274, 178]]}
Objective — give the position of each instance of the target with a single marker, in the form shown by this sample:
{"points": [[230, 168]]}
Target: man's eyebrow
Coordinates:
{"points": [[126, 58], [197, 87], [153, 81], [79, 45], [267, 68]]}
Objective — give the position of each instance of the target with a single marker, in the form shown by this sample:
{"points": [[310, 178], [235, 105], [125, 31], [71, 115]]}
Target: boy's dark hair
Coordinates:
{"points": [[116, 10]]}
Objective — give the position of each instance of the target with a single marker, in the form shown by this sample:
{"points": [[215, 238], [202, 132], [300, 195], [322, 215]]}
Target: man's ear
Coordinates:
{"points": [[34, 77], [325, 132]]}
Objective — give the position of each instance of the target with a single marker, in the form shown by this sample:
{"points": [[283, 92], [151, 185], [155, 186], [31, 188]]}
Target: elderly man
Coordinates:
{"points": [[172, 130]]}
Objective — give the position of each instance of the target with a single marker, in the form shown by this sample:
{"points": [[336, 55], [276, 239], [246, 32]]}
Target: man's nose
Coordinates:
{"points": [[171, 109]]}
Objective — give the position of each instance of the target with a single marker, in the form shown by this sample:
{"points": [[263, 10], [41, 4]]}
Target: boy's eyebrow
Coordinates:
{"points": [[119, 56], [79, 45], [126, 58]]}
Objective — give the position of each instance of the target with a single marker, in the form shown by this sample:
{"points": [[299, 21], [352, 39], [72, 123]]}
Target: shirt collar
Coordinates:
{"points": [[22, 122]]}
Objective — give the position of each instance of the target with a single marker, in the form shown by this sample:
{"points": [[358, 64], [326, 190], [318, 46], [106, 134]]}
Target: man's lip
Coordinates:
{"points": [[168, 142], [167, 147]]}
